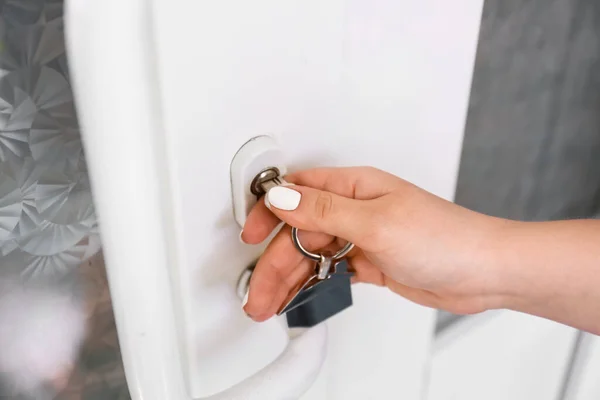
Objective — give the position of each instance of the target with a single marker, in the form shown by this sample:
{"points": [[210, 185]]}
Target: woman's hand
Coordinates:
{"points": [[420, 246]]}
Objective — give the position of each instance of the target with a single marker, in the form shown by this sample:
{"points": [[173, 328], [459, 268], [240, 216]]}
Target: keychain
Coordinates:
{"points": [[323, 294]]}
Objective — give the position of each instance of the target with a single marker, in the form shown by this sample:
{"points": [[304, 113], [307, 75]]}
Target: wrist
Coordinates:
{"points": [[516, 256], [495, 263]]}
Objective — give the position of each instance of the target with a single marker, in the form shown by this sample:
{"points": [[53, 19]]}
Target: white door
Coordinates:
{"points": [[584, 382], [504, 355], [168, 91]]}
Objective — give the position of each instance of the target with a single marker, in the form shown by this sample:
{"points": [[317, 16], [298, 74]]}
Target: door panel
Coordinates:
{"points": [[509, 356], [583, 383], [369, 83]]}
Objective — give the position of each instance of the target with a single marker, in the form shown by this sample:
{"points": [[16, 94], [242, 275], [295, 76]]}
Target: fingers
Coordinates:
{"points": [[365, 271], [282, 270], [360, 183], [271, 304], [333, 202], [279, 269], [259, 224], [319, 211]]}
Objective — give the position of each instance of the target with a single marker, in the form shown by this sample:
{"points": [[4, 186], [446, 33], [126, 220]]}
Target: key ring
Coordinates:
{"points": [[323, 261]]}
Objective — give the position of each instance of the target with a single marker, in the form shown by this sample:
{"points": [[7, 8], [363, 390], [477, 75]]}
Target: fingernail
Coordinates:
{"points": [[244, 302], [245, 299], [240, 237], [283, 198]]}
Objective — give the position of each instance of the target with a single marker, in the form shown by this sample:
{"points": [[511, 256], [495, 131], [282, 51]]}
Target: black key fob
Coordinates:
{"points": [[322, 300]]}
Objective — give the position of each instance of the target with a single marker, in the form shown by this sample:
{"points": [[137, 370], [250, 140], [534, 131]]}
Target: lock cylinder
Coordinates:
{"points": [[256, 167], [265, 180]]}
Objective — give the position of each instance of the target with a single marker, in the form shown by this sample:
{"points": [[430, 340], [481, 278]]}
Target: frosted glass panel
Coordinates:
{"points": [[48, 227], [47, 220]]}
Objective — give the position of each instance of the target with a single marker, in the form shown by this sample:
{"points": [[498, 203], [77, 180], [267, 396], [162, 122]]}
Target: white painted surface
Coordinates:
{"points": [[584, 383], [117, 105], [167, 96], [382, 83], [289, 376], [510, 356]]}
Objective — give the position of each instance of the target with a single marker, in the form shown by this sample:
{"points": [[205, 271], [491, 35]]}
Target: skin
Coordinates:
{"points": [[426, 249]]}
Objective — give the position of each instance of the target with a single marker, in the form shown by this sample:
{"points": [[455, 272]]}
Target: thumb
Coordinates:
{"points": [[319, 211]]}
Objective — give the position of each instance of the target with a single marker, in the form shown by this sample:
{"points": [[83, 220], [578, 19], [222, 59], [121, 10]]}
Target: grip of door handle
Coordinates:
{"points": [[290, 375]]}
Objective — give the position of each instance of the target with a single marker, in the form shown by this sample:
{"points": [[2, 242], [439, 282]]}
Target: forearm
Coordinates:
{"points": [[550, 269]]}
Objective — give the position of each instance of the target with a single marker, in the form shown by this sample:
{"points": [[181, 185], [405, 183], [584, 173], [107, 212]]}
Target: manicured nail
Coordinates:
{"points": [[240, 237], [283, 198], [245, 300]]}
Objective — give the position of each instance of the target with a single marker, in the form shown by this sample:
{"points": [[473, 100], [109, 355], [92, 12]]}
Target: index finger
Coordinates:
{"points": [[361, 183]]}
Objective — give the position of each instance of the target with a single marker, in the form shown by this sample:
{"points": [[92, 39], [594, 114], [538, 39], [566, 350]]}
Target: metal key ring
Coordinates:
{"points": [[318, 257]]}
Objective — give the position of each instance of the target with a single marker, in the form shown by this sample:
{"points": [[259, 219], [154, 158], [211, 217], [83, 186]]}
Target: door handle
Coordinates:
{"points": [[290, 375]]}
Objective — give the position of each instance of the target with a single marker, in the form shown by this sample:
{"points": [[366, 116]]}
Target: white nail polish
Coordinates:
{"points": [[240, 237], [245, 300], [283, 198], [266, 199]]}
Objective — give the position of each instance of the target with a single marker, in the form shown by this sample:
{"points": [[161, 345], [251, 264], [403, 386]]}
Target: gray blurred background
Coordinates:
{"points": [[532, 141], [531, 149]]}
